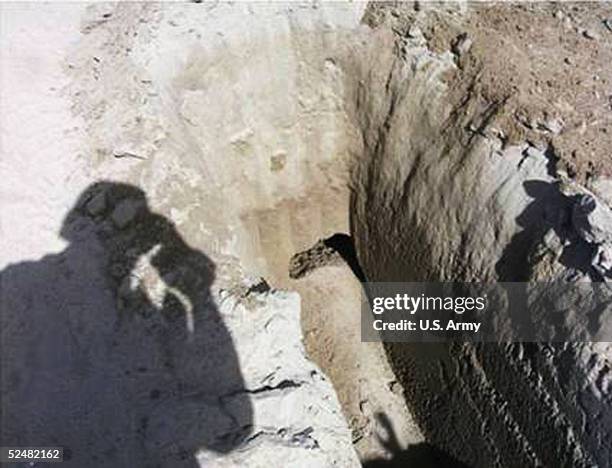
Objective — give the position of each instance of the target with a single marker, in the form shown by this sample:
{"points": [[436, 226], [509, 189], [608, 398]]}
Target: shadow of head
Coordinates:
{"points": [[422, 455], [152, 380], [119, 216], [121, 203]]}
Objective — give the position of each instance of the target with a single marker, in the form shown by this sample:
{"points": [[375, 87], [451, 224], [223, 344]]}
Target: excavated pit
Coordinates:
{"points": [[246, 143], [330, 145], [365, 130]]}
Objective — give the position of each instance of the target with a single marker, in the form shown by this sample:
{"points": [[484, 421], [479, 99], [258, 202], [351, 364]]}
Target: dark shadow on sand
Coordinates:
{"points": [[95, 360], [422, 455]]}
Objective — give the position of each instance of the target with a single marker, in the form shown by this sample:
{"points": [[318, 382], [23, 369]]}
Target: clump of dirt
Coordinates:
{"points": [[334, 250], [316, 256]]}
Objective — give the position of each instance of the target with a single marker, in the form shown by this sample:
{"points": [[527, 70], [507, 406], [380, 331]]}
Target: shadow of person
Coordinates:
{"points": [[422, 455], [114, 348]]}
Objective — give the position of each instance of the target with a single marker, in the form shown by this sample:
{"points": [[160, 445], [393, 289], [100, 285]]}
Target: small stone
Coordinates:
{"points": [[604, 257], [395, 387], [590, 34], [462, 44], [415, 32], [364, 406], [592, 220], [553, 126], [278, 161], [559, 14], [532, 152], [608, 24]]}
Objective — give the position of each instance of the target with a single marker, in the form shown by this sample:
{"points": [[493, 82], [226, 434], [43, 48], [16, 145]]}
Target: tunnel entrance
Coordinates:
{"points": [[336, 249]]}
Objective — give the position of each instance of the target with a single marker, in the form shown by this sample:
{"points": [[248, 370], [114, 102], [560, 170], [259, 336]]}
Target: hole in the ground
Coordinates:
{"points": [[345, 247], [333, 250]]}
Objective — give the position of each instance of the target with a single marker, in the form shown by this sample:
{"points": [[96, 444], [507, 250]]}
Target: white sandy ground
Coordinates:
{"points": [[41, 170]]}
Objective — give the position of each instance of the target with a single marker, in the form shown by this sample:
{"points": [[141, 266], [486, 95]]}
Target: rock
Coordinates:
{"points": [[278, 161], [592, 220], [415, 32], [461, 45], [590, 34], [602, 187], [250, 285], [603, 259], [415, 36], [554, 126]]}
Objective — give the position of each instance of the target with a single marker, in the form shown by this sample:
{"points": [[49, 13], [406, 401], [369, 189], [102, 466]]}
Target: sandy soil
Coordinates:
{"points": [[552, 64], [545, 67]]}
